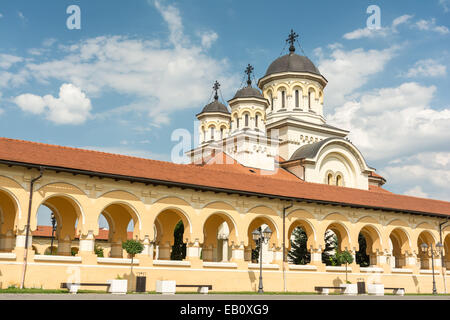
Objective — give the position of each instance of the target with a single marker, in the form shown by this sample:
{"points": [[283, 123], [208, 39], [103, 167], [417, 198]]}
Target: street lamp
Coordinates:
{"points": [[424, 248], [53, 232], [261, 237]]}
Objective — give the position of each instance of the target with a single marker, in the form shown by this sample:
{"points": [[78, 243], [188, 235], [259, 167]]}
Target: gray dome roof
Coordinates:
{"points": [[292, 63], [248, 92], [215, 106]]}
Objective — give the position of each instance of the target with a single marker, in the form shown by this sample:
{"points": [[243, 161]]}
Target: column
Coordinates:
{"points": [[224, 250], [64, 246], [193, 250], [116, 249], [164, 251], [207, 253], [248, 253], [87, 242], [238, 252]]}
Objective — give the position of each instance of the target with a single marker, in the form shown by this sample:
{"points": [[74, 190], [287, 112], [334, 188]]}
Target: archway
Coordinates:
{"points": [[66, 214], [398, 242], [299, 237], [252, 250], [117, 223], [218, 231], [425, 237], [369, 242], [336, 238], [172, 228], [8, 215]]}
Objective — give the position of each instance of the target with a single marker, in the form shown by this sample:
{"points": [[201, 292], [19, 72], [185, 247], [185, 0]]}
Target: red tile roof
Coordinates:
{"points": [[46, 231], [202, 176]]}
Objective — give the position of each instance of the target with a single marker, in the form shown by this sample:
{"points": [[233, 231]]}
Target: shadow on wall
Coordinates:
{"points": [[337, 282], [416, 283], [252, 277], [131, 277]]}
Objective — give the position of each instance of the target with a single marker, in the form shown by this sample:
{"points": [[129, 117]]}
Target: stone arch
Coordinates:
{"points": [[373, 239], [446, 251], [69, 217], [9, 215], [216, 246], [121, 194], [400, 245], [118, 215], [169, 211], [338, 224], [426, 237], [307, 226]]}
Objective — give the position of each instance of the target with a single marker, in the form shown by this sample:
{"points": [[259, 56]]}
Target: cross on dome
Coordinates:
{"points": [[291, 39], [216, 88], [249, 71]]}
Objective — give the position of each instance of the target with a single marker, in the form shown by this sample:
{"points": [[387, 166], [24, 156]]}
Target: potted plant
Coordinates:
{"points": [[346, 257], [118, 285]]}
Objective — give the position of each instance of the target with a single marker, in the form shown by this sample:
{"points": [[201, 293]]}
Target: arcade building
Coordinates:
{"points": [[265, 159]]}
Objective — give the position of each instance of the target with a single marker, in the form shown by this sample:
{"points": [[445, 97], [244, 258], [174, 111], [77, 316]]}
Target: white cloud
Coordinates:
{"points": [[445, 4], [347, 71], [160, 77], [377, 32], [366, 33], [208, 38], [1, 15], [389, 123], [427, 68], [416, 192], [428, 172], [430, 25], [71, 107], [7, 60]]}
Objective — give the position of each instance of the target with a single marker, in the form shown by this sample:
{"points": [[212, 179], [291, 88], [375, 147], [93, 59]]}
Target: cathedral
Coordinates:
{"points": [[266, 165], [283, 127]]}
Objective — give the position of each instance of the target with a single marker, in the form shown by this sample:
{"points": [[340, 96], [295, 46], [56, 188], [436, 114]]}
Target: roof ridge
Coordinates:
{"points": [[87, 150]]}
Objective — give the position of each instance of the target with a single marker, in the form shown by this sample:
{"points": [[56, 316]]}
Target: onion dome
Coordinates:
{"points": [[292, 63], [215, 106]]}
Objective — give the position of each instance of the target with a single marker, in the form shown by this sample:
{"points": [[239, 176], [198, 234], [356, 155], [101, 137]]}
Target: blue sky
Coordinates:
{"points": [[138, 70]]}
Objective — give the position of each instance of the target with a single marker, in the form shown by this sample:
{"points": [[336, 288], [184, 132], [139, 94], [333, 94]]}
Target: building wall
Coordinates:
{"points": [[155, 211]]}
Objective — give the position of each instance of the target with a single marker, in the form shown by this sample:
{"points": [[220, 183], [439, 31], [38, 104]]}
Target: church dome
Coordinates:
{"points": [[248, 92], [215, 106], [292, 63]]}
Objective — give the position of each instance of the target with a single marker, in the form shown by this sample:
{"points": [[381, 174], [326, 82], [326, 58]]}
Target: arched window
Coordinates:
{"points": [[330, 178], [256, 121], [212, 133], [246, 120], [297, 99], [309, 100], [271, 102], [283, 99], [339, 180], [237, 123], [221, 133]]}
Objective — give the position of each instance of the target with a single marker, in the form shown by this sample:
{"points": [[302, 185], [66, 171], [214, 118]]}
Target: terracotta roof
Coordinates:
{"points": [[202, 176], [46, 231], [376, 175]]}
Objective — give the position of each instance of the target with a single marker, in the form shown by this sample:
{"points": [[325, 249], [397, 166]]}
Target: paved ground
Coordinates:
{"points": [[199, 297]]}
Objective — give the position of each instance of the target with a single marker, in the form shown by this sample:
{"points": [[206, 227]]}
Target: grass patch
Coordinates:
{"points": [[31, 290]]}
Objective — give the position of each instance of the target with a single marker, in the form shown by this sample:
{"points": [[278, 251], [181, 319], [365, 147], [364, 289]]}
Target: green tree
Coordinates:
{"points": [[179, 247], [344, 257], [132, 247], [329, 253], [99, 251], [299, 253], [361, 256]]}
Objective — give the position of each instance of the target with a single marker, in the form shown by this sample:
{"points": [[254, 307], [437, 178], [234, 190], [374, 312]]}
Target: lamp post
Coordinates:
{"points": [[261, 237], [425, 248], [53, 232]]}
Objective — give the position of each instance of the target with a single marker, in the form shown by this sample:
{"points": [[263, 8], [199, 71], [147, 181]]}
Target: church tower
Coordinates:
{"points": [[294, 87], [214, 120]]}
